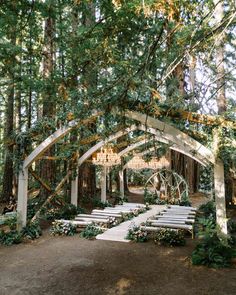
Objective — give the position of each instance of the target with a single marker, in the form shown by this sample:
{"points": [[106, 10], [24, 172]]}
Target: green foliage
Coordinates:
{"points": [[150, 198], [67, 211], [208, 209], [206, 178], [231, 226], [91, 231], [97, 203], [118, 198], [11, 222], [32, 230], [170, 237], [136, 234], [212, 250], [32, 206], [11, 237], [127, 216], [185, 203], [60, 228]]}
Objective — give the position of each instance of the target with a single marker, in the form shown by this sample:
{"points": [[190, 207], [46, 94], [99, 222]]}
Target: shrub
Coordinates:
{"points": [[169, 237], [232, 226], [185, 202], [62, 229], [32, 230], [118, 198], [149, 197], [100, 204], [127, 216], [32, 207], [136, 234], [68, 211], [11, 237], [208, 209], [212, 251], [11, 222], [91, 231]]}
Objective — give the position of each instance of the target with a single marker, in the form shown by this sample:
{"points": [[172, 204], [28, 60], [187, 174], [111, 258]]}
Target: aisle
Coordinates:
{"points": [[118, 233]]}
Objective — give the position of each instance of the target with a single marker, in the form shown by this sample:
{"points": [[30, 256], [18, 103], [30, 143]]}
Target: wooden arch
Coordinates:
{"points": [[180, 140]]}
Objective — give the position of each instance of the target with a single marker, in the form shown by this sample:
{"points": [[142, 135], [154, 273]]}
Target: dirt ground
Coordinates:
{"points": [[72, 265]]}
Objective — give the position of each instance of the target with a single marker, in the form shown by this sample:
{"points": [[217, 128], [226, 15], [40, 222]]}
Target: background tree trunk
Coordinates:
{"points": [[49, 106], [9, 112]]}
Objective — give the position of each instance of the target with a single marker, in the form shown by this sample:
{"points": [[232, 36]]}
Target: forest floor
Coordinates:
{"points": [[72, 265]]}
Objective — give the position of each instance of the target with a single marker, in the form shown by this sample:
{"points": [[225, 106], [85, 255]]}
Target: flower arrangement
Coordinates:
{"points": [[91, 231], [61, 228], [169, 237], [136, 234], [127, 216]]}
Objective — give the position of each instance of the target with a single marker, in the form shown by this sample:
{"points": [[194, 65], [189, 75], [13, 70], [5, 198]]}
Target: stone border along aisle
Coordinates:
{"points": [[119, 232]]}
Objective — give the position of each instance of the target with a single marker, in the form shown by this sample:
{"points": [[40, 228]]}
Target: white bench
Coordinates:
{"points": [[91, 216], [102, 213], [74, 222], [187, 220], [92, 219], [182, 207]]}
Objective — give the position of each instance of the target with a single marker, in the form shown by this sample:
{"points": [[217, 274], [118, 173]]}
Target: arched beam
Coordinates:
{"points": [[160, 136], [173, 135], [55, 137], [180, 141]]}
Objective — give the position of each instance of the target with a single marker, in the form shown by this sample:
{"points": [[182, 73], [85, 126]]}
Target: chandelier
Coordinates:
{"points": [[156, 163], [137, 162], [106, 157]]}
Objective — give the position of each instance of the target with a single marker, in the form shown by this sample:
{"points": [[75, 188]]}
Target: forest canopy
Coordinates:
{"points": [[63, 59]]}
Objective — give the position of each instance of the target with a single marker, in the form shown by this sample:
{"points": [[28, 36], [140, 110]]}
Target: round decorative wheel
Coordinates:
{"points": [[168, 186]]}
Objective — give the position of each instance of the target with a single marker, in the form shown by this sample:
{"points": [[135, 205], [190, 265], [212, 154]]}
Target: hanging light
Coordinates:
{"points": [[161, 163], [136, 163], [106, 157]]}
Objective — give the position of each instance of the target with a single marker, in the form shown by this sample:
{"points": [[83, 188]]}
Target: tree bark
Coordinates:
{"points": [[87, 171], [9, 115], [48, 109], [220, 70]]}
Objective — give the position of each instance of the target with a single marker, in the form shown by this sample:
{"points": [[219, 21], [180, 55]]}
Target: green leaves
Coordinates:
{"points": [[169, 237]]}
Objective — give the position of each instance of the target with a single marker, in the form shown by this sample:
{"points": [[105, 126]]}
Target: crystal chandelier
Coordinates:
{"points": [[156, 163], [106, 157], [136, 163]]}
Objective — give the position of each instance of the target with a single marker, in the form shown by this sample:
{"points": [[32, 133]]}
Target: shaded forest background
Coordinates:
{"points": [[62, 59]]}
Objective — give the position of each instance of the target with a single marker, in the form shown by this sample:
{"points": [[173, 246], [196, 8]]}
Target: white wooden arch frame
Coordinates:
{"points": [[181, 142]]}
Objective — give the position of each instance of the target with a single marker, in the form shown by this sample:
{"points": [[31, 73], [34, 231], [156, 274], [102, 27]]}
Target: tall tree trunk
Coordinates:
{"points": [[9, 115], [8, 162], [48, 108], [220, 74], [87, 171], [220, 70]]}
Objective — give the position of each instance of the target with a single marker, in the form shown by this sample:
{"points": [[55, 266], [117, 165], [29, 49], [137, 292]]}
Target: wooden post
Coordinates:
{"points": [[122, 189], [74, 191], [220, 196], [22, 199], [104, 184]]}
